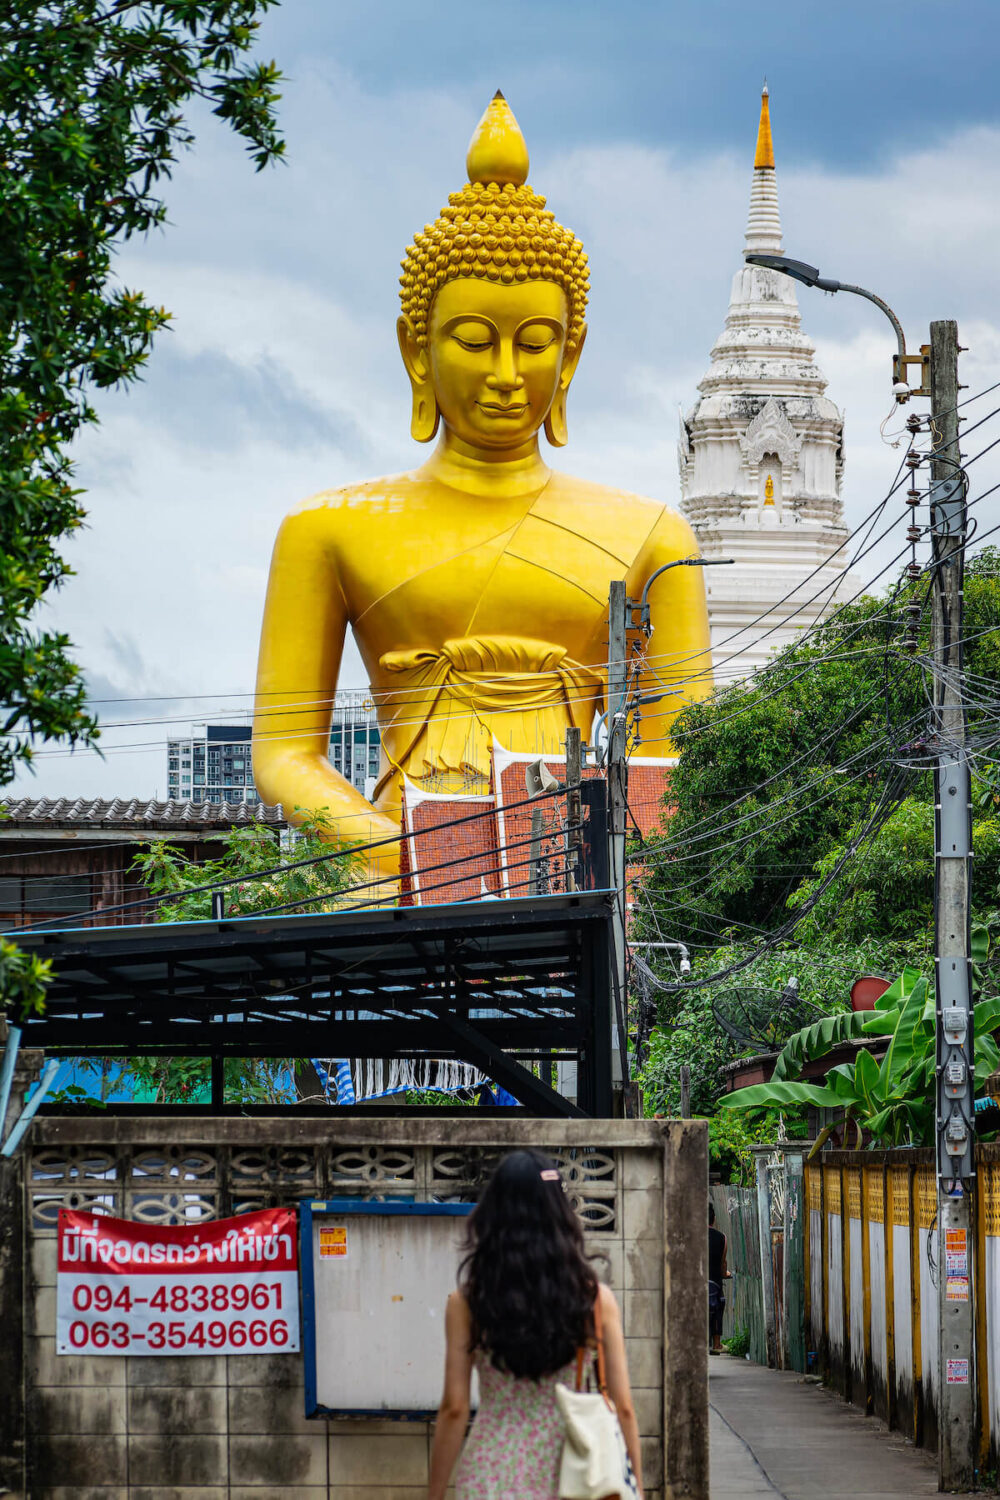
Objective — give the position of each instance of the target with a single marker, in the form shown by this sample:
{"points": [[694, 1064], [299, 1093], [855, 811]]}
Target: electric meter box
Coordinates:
{"points": [[375, 1280]]}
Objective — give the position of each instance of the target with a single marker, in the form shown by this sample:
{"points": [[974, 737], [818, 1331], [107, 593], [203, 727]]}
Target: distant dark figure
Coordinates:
{"points": [[718, 1274]]}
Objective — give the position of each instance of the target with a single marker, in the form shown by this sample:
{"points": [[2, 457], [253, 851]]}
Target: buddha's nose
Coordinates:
{"points": [[505, 377]]}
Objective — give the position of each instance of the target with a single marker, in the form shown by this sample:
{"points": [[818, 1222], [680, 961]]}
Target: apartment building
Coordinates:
{"points": [[213, 763]]}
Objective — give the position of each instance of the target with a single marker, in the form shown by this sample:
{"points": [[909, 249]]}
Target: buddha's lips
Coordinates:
{"points": [[504, 411]]}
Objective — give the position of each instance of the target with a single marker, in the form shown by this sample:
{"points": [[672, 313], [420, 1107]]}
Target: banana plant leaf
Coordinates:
{"points": [[817, 1040], [986, 1016], [892, 998], [987, 1058], [760, 1095], [893, 1101], [904, 1050], [980, 945], [843, 1079], [868, 1082]]}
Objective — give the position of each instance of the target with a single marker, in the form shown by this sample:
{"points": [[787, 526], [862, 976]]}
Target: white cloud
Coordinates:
{"points": [[281, 375]]}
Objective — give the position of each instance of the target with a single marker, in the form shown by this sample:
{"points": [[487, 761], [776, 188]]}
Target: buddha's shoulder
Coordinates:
{"points": [[367, 497], [596, 507]]}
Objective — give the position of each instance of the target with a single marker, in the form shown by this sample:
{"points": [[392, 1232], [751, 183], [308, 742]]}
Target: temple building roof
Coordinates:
{"points": [[761, 454]]}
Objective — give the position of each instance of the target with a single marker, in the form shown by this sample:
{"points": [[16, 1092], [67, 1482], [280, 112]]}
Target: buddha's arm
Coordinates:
{"points": [[678, 655], [301, 643]]}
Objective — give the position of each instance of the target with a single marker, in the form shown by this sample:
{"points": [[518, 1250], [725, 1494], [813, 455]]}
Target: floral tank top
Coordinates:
{"points": [[515, 1445]]}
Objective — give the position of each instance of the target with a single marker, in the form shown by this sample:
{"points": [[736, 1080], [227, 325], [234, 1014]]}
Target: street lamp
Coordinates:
{"points": [[682, 562], [622, 618], [809, 276]]}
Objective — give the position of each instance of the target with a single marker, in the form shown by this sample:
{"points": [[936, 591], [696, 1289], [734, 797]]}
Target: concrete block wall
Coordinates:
{"points": [[191, 1428]]}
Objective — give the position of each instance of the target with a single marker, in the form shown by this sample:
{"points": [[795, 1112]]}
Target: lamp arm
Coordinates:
{"points": [[680, 562], [860, 291]]}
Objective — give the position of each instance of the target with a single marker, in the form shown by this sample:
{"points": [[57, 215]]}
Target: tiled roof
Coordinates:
{"points": [[131, 812]]}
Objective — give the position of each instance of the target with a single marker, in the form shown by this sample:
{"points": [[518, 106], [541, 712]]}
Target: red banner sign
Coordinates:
{"points": [[226, 1286]]}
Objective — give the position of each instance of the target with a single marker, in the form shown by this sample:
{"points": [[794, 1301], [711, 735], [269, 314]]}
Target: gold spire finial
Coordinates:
{"points": [[764, 155], [498, 151]]}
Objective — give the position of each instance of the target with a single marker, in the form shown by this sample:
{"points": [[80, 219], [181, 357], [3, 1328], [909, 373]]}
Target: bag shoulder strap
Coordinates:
{"points": [[581, 1353], [602, 1384]]}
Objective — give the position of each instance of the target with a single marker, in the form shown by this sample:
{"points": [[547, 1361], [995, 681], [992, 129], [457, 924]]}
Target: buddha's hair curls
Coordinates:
{"points": [[529, 1287], [500, 232]]}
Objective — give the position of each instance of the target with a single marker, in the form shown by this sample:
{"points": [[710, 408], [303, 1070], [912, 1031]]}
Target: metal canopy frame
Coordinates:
{"points": [[494, 983]]}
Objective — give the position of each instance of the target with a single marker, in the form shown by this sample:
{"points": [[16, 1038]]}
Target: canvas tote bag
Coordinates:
{"points": [[595, 1463]]}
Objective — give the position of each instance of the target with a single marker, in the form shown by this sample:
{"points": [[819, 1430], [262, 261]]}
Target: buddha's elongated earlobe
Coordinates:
{"points": [[425, 416], [555, 422], [556, 429]]}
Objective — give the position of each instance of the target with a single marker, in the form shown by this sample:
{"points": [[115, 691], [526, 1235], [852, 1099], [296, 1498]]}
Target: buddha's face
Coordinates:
{"points": [[496, 358]]}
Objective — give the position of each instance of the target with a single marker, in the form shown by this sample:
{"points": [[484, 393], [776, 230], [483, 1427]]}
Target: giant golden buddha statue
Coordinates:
{"points": [[476, 585]]}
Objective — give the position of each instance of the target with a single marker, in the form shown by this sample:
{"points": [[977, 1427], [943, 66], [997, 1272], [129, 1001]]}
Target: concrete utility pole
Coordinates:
{"points": [[618, 621], [953, 966]]}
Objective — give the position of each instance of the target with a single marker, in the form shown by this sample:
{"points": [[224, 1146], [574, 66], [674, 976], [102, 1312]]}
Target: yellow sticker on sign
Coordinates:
{"points": [[332, 1241]]}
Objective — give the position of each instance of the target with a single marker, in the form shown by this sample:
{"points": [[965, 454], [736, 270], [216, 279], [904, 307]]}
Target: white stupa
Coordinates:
{"points": [[762, 458]]}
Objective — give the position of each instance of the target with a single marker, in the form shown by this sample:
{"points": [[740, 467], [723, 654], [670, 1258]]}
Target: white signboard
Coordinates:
{"points": [[228, 1286], [375, 1280]]}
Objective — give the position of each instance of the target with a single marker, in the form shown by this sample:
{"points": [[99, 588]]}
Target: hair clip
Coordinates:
{"points": [[549, 1174]]}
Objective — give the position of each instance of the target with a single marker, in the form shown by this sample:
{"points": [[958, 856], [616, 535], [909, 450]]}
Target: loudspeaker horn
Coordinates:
{"points": [[538, 779]]}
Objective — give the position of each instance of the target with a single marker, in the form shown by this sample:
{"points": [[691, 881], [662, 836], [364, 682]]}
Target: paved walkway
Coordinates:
{"points": [[775, 1434]]}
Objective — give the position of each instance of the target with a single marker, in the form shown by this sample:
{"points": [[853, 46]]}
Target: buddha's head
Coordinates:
{"points": [[493, 295]]}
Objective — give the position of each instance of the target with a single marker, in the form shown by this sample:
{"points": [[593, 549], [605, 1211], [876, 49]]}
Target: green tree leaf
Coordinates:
{"points": [[93, 105]]}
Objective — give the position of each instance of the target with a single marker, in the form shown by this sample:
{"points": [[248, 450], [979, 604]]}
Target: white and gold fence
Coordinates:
{"points": [[871, 1267]]}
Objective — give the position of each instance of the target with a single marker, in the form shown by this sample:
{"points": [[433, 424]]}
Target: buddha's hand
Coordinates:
{"points": [[375, 865]]}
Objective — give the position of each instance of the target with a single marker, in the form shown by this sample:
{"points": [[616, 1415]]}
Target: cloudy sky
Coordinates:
{"points": [[280, 375]]}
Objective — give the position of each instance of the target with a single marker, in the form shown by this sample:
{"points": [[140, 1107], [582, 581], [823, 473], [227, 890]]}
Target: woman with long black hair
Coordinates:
{"points": [[526, 1304]]}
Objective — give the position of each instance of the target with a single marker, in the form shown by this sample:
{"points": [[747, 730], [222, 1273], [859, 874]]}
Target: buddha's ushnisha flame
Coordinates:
{"points": [[497, 228]]}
